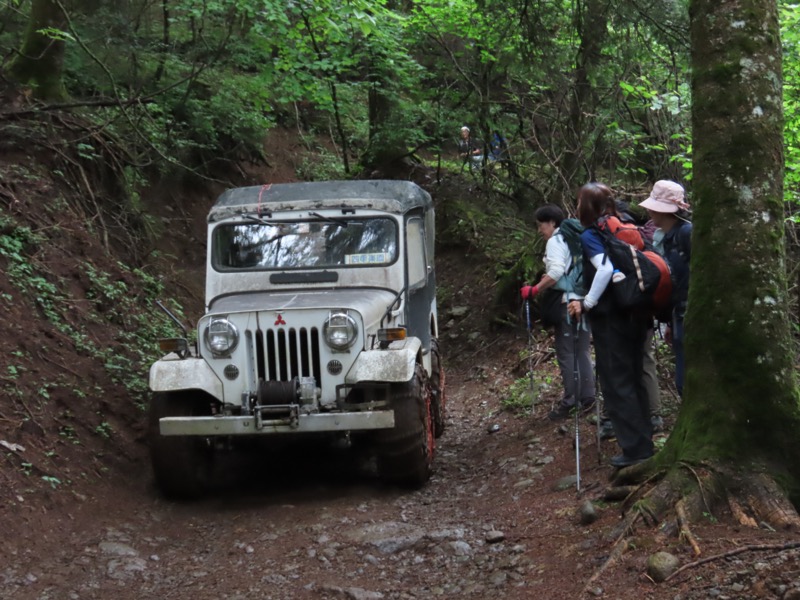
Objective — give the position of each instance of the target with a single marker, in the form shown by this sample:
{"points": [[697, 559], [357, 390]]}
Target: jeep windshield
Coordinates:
{"points": [[315, 244]]}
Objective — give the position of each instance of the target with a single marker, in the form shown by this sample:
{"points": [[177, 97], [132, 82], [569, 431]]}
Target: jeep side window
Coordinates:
{"points": [[417, 261]]}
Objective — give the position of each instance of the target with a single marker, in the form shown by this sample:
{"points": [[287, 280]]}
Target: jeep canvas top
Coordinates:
{"points": [[320, 319]]}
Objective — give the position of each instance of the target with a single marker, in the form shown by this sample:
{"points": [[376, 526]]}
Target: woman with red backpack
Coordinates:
{"points": [[619, 335]]}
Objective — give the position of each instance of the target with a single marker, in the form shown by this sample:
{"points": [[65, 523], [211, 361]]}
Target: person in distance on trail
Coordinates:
{"points": [[469, 149], [669, 211], [558, 261], [618, 336]]}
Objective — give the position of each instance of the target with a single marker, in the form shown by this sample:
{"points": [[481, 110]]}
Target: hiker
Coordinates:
{"points": [[618, 334], [621, 209], [563, 277], [470, 149], [498, 148], [669, 212]]}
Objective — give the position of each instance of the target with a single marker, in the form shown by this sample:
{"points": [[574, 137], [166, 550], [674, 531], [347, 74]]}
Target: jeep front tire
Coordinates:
{"points": [[181, 464], [405, 452]]}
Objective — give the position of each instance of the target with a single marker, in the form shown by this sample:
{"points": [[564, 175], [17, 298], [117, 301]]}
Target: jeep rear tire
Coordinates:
{"points": [[181, 464], [437, 389], [405, 452]]}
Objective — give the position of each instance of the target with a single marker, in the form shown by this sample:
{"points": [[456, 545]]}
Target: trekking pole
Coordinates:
{"points": [[530, 351], [576, 394]]}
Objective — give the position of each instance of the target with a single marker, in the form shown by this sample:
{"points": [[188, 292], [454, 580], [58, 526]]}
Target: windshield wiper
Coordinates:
{"points": [[259, 220], [339, 222]]}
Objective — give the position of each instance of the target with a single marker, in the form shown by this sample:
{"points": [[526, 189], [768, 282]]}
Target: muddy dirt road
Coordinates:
{"points": [[499, 518]]}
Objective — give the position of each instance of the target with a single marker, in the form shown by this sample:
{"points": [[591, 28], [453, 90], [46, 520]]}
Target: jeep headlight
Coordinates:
{"points": [[340, 330], [221, 336]]}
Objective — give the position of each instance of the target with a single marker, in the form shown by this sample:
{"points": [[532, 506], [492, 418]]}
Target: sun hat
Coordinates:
{"points": [[666, 197], [465, 128]]}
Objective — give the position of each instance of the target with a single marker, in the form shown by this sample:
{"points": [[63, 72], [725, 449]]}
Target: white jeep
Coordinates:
{"points": [[320, 319]]}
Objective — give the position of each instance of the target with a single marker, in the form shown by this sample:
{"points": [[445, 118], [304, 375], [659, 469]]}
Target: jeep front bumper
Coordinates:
{"points": [[293, 423]]}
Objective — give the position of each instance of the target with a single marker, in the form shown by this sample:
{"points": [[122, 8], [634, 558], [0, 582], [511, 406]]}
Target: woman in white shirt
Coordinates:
{"points": [[559, 263]]}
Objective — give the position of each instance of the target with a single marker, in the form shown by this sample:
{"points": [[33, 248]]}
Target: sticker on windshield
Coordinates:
{"points": [[371, 258]]}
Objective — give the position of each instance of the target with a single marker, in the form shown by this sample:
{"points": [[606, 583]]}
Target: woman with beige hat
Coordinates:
{"points": [[668, 210]]}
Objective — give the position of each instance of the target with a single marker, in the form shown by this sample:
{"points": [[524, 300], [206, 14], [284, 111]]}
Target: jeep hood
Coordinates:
{"points": [[371, 303]]}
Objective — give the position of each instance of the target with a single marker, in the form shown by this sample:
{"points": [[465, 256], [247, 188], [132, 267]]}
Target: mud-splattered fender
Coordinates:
{"points": [[172, 374], [395, 363]]}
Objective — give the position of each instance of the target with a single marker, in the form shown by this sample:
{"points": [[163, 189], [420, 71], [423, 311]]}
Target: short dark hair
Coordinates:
{"points": [[549, 212], [594, 200]]}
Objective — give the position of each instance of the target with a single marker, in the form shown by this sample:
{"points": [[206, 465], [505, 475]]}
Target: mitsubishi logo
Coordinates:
{"points": [[279, 320]]}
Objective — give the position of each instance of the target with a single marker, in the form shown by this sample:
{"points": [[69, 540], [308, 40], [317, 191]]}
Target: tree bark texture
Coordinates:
{"points": [[40, 62], [740, 404]]}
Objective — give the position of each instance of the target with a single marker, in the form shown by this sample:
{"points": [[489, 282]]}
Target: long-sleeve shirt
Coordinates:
{"points": [[594, 250]]}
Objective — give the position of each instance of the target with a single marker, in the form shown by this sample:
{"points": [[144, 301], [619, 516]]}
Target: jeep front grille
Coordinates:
{"points": [[283, 354]]}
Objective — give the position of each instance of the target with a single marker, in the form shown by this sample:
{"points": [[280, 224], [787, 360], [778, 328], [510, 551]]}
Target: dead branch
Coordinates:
{"points": [[44, 357], [734, 552]]}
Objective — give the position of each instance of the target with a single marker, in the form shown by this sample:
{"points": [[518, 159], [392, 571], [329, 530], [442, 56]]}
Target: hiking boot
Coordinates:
{"points": [[607, 430], [620, 461], [560, 412], [657, 423]]}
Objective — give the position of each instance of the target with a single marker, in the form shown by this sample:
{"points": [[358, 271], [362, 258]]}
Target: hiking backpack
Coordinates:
{"points": [[642, 279], [627, 232], [572, 280]]}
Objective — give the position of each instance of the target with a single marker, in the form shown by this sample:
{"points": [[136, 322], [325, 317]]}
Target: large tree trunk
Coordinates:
{"points": [[736, 439], [40, 62], [740, 403]]}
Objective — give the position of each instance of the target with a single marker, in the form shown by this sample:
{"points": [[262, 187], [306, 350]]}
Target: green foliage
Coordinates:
{"points": [[519, 396], [53, 481], [790, 38], [104, 430]]}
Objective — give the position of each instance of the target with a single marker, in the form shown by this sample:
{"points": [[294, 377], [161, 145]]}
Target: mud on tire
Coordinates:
{"points": [[437, 385], [181, 464], [405, 453]]}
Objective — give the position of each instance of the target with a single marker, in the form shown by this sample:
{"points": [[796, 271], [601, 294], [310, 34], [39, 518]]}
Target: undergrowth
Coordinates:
{"points": [[123, 300]]}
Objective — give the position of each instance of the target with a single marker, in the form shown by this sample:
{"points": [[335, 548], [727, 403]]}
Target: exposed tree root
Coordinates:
{"points": [[688, 493], [738, 513], [765, 502], [620, 492], [683, 523]]}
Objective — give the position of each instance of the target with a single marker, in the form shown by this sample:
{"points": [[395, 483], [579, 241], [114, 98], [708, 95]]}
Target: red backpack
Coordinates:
{"points": [[627, 232]]}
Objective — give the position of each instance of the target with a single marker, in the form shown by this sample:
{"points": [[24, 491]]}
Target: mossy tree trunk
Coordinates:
{"points": [[741, 404], [40, 61], [736, 437]]}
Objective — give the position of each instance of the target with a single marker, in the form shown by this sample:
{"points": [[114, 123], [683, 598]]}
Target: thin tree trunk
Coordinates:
{"points": [[40, 62]]}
